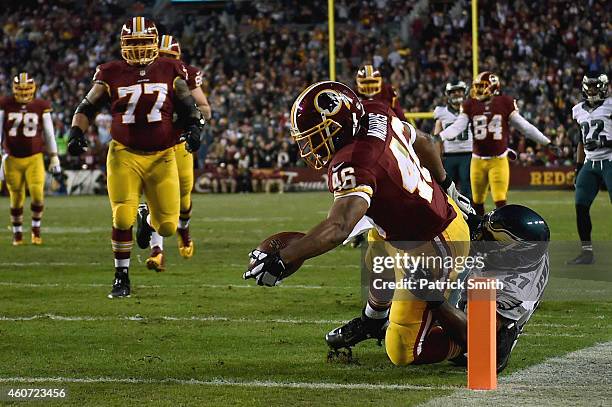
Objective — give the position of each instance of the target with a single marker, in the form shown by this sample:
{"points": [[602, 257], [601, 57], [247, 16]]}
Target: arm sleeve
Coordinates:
{"points": [[528, 129], [456, 128], [49, 133]]}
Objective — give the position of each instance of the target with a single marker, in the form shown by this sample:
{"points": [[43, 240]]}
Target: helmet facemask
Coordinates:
{"points": [[480, 91], [369, 81], [24, 88], [316, 144], [456, 96], [485, 86], [369, 86], [139, 49]]}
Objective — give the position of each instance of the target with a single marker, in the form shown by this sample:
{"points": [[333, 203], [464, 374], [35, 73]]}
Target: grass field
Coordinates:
{"points": [[199, 335]]}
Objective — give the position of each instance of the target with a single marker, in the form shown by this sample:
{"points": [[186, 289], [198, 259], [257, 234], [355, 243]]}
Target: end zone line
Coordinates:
{"points": [[228, 382]]}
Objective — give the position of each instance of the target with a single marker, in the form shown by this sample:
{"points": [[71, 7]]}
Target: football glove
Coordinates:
{"points": [[266, 268], [462, 201], [77, 143], [593, 144], [54, 165], [512, 155], [193, 136]]}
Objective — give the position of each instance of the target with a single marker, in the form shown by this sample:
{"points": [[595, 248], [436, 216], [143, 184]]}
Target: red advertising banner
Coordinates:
{"points": [[541, 177]]}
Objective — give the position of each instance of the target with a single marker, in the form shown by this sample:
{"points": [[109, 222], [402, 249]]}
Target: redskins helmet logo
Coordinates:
{"points": [[329, 102]]}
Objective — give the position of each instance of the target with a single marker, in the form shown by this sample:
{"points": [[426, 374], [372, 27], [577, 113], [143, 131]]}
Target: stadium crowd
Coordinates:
{"points": [[257, 56]]}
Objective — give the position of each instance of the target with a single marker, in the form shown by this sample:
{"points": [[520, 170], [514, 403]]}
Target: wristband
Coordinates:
{"points": [[75, 132], [446, 183]]}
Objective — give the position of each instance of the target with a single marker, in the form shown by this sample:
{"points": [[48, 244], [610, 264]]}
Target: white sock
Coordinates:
{"points": [[183, 224], [36, 223], [122, 263], [17, 229], [374, 314], [157, 240]]}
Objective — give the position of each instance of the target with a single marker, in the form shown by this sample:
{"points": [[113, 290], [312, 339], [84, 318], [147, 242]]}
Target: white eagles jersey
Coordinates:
{"points": [[595, 124], [463, 142], [522, 290]]}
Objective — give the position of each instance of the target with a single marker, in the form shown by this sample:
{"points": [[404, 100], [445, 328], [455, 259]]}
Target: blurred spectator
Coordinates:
{"points": [[257, 56]]}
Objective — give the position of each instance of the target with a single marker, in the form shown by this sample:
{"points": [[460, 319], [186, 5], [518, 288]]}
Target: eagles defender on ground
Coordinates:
{"points": [[170, 47], [490, 113], [594, 156], [144, 91], [26, 129], [513, 243], [457, 152], [387, 173]]}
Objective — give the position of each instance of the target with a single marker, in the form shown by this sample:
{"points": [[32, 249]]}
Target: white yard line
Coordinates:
{"points": [[227, 382], [282, 286], [139, 318], [580, 378], [218, 318]]}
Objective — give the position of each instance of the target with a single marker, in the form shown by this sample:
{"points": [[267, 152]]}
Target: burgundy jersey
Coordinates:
{"points": [[489, 122], [388, 95], [142, 101], [22, 127], [194, 77], [382, 167]]}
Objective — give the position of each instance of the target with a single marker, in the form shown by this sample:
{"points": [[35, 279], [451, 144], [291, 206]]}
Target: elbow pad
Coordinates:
{"points": [[87, 108]]}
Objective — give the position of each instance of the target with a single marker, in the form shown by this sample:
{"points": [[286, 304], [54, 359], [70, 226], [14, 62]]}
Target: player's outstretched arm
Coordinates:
{"points": [[529, 130], [343, 216], [455, 129], [83, 116]]}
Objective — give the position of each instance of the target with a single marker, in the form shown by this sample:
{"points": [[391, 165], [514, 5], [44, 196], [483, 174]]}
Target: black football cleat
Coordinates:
{"points": [[143, 229], [507, 337], [357, 330], [586, 257], [121, 286]]}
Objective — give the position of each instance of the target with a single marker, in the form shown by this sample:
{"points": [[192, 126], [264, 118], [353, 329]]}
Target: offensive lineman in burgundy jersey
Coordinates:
{"points": [[490, 113], [26, 130], [144, 92], [383, 172], [142, 102], [169, 47], [370, 86]]}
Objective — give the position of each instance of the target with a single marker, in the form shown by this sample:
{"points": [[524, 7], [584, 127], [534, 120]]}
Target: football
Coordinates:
{"points": [[279, 241]]}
